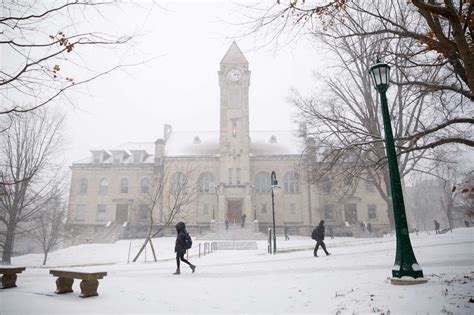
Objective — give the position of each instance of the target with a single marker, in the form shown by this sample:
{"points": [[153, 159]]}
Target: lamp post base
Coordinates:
{"points": [[407, 281]]}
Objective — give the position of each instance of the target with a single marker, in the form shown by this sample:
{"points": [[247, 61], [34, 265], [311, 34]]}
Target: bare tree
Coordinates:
{"points": [[28, 149], [47, 227], [456, 188], [171, 190], [343, 121], [39, 40], [439, 61]]}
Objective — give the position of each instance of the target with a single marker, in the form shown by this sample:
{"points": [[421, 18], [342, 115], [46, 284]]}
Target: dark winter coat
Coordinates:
{"points": [[319, 232], [180, 245]]}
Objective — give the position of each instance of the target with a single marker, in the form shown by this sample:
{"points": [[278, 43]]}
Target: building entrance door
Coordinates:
{"points": [[234, 210], [350, 213], [121, 214]]}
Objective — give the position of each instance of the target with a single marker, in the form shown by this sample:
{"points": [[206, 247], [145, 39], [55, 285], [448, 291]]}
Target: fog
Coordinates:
{"points": [[176, 53]]}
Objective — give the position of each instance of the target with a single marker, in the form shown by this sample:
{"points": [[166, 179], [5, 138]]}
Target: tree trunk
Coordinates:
{"points": [[8, 247], [45, 257]]}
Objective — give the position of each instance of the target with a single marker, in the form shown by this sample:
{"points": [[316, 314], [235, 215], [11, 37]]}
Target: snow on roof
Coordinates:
{"points": [[192, 143], [206, 143], [276, 142]]}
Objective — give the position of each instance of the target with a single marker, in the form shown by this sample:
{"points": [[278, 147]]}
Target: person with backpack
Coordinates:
{"points": [[183, 243], [318, 235]]}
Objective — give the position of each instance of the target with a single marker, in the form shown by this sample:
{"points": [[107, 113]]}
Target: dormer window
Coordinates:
{"points": [[273, 139], [97, 157], [137, 157], [118, 157], [197, 140]]}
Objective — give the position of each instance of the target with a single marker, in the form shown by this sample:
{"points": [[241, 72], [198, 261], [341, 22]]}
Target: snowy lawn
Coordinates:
{"points": [[354, 279]]}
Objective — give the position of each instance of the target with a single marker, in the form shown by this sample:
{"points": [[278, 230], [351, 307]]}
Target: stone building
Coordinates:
{"points": [[226, 174]]}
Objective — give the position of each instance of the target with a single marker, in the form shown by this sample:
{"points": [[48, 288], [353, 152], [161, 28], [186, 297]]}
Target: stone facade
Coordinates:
{"points": [[229, 170]]}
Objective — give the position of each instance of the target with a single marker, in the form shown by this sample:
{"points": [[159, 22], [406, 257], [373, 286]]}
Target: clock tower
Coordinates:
{"points": [[234, 140]]}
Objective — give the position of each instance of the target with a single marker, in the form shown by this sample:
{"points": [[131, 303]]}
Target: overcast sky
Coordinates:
{"points": [[180, 87]]}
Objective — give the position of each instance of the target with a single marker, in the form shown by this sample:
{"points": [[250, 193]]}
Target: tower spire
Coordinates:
{"points": [[234, 55]]}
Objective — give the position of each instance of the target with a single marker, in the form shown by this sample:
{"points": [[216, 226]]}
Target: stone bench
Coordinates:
{"points": [[89, 283], [9, 276]]}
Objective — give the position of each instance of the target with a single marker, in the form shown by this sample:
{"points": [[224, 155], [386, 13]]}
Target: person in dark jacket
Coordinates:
{"points": [[180, 248], [436, 224], [318, 235]]}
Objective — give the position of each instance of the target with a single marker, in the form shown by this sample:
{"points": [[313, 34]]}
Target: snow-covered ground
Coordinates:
{"points": [[354, 279]]}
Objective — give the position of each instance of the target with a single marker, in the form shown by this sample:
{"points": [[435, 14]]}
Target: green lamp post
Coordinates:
{"points": [[405, 262], [274, 188]]}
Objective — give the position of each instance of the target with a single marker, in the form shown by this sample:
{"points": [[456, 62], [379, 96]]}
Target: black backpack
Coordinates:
{"points": [[314, 235], [188, 241]]}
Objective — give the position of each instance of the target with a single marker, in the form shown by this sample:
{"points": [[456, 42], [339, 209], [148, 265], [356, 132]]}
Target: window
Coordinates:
{"points": [[205, 208], [262, 182], [231, 172], [97, 157], [178, 183], [83, 186], [118, 157], [372, 212], [80, 214], [264, 207], [103, 186], [101, 213], [206, 183], [369, 186], [237, 175], [234, 96], [145, 185], [326, 185], [291, 182], [292, 208], [143, 212], [124, 186], [328, 212], [137, 157], [234, 127]]}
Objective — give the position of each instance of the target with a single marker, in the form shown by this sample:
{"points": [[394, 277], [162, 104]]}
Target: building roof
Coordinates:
{"points": [[234, 56], [206, 144]]}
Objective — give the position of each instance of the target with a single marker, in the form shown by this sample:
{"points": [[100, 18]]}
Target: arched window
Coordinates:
{"points": [[103, 186], [291, 182], [178, 183], [83, 186], [262, 182], [124, 185], [326, 185], [145, 185], [206, 183]]}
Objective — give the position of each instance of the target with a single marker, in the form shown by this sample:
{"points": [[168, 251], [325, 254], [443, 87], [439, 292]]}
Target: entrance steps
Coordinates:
{"points": [[238, 245], [234, 234]]}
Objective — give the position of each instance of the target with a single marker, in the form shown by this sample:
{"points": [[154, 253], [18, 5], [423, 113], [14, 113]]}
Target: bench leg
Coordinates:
{"points": [[89, 288], [64, 285], [9, 281]]}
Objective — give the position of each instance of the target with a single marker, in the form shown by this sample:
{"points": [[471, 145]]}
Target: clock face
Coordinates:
{"points": [[233, 75]]}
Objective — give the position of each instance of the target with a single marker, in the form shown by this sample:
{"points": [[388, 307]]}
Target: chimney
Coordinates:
{"points": [[167, 129], [159, 151]]}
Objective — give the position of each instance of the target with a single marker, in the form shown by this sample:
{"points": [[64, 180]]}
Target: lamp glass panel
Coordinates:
{"points": [[383, 75]]}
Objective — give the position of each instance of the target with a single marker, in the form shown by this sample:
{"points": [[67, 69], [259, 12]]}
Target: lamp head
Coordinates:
{"points": [[380, 73]]}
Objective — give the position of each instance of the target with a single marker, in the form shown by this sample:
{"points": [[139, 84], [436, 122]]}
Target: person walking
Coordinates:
{"points": [[318, 235], [286, 233], [226, 224], [242, 223], [436, 224], [331, 233], [180, 247]]}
